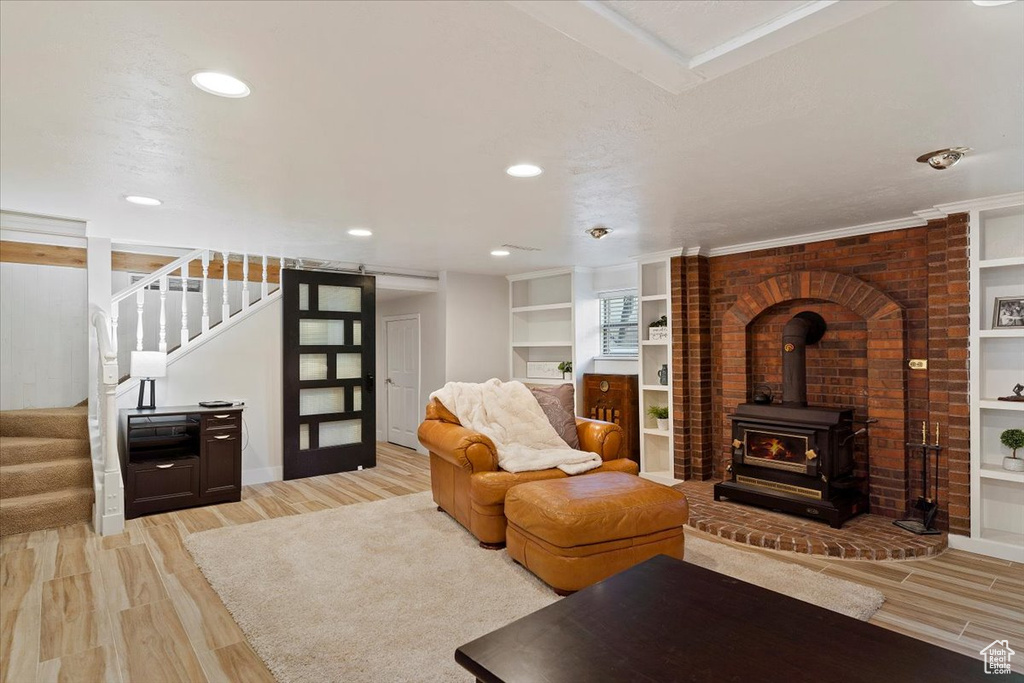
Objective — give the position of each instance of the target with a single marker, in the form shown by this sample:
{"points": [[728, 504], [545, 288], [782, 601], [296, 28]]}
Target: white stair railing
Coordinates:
{"points": [[108, 515], [108, 512]]}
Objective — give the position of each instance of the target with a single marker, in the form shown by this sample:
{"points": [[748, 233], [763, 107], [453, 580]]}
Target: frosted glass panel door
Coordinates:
{"points": [[328, 364]]}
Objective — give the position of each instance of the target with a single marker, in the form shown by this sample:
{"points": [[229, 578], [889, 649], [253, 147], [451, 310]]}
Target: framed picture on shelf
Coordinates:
{"points": [[1009, 312]]}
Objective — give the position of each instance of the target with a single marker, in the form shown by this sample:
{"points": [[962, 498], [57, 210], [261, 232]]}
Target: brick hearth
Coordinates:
{"points": [[866, 537]]}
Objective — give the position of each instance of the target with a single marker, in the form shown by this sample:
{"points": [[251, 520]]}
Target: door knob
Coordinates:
{"points": [[388, 381]]}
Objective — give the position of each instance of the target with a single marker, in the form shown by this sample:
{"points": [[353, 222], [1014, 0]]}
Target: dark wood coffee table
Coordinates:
{"points": [[666, 620]]}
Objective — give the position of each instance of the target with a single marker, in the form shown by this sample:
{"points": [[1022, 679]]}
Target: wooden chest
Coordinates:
{"points": [[615, 398]]}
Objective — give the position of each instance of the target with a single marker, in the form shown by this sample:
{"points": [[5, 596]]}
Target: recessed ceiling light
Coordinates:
{"points": [[142, 201], [991, 3], [942, 159], [599, 232], [360, 232], [524, 171], [220, 84], [500, 252]]}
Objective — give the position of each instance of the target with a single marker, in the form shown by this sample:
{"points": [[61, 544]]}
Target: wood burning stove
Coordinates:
{"points": [[792, 457]]}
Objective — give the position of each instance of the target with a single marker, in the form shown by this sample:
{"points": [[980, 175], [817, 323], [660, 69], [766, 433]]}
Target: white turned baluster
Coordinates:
{"points": [[115, 311], [206, 293], [162, 346], [245, 281], [140, 303], [264, 286], [184, 304], [225, 307]]}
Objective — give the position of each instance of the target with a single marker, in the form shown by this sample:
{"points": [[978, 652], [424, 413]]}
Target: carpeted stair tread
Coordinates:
{"points": [[19, 450], [63, 423], [45, 510], [39, 477]]}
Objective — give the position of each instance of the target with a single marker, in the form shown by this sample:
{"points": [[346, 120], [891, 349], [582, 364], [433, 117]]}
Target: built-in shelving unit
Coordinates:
{"points": [[546, 320], [997, 363], [654, 286]]}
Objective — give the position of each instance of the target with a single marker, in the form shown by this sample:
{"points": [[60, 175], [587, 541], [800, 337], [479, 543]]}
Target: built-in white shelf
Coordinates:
{"points": [[993, 404], [1006, 333], [541, 345], [542, 307], [1002, 262], [994, 472], [1000, 536], [654, 283], [541, 380], [997, 362], [666, 477]]}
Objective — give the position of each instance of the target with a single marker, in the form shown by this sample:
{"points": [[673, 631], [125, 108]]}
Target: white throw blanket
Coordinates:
{"points": [[509, 415]]}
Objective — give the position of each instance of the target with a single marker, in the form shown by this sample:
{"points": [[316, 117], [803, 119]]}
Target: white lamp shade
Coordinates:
{"points": [[149, 364]]}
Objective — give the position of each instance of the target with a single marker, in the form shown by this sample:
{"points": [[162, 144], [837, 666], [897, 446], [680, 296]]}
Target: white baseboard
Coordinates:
{"points": [[262, 475], [981, 546]]}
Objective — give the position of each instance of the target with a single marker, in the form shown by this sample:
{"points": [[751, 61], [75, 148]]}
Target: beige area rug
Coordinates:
{"points": [[386, 591]]}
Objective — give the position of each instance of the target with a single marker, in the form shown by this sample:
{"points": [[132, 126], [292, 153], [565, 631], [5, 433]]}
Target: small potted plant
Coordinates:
{"points": [[566, 367], [658, 330], [1013, 439], [660, 415]]}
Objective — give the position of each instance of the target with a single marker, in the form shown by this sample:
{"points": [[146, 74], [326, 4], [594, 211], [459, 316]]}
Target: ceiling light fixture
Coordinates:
{"points": [[500, 252], [991, 3], [599, 232], [142, 201], [524, 170], [220, 84], [360, 232], [942, 159]]}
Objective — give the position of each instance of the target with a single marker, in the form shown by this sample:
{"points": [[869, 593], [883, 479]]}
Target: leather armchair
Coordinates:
{"points": [[468, 484]]}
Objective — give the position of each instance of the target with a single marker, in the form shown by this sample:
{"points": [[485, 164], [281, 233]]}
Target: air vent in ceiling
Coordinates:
{"points": [[518, 247]]}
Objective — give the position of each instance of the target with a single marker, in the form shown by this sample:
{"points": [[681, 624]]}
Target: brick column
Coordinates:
{"points": [[698, 360], [680, 373], [948, 328]]}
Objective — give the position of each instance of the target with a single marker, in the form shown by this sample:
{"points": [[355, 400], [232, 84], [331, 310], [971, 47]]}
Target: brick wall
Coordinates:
{"points": [[887, 297]]}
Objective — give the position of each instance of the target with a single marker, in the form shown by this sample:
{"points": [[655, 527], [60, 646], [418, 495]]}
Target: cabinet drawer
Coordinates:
{"points": [[156, 486], [220, 421]]}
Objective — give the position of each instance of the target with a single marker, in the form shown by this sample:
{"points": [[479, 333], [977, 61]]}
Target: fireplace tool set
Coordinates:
{"points": [[927, 504]]}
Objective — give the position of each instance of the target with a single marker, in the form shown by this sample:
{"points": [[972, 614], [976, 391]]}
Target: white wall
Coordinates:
{"points": [[432, 375], [43, 336], [243, 363], [476, 319]]}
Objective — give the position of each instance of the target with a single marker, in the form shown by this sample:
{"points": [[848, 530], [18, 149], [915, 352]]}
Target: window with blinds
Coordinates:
{"points": [[619, 331]]}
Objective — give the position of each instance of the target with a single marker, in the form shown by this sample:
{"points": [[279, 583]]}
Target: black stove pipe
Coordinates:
{"points": [[804, 328]]}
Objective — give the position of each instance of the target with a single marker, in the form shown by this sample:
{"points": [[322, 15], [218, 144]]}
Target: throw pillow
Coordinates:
{"points": [[559, 405]]}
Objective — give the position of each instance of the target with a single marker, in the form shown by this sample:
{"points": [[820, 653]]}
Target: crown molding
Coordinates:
{"points": [[37, 229], [657, 255], [920, 218], [698, 251], [838, 233]]}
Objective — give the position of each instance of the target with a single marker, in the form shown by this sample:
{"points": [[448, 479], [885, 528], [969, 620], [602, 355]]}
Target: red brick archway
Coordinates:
{"points": [[886, 376]]}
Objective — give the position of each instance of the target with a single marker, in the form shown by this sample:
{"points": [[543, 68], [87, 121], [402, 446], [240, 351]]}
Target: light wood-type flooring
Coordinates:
{"points": [[134, 608]]}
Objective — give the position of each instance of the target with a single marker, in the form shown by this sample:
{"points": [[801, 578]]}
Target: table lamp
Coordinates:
{"points": [[146, 366]]}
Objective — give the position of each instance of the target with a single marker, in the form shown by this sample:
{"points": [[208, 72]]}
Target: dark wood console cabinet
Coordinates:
{"points": [[179, 457], [614, 398]]}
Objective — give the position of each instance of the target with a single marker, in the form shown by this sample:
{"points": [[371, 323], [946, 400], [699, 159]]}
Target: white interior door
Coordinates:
{"points": [[403, 380]]}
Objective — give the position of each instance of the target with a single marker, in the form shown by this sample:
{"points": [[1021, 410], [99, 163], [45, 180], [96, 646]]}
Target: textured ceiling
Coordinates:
{"points": [[402, 116]]}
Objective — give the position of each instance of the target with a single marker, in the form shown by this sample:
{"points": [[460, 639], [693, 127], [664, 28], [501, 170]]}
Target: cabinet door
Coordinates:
{"points": [[221, 464]]}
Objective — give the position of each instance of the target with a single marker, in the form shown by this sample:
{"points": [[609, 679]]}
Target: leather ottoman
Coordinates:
{"points": [[577, 531]]}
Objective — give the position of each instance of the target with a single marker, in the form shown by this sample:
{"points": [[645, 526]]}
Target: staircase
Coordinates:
{"points": [[46, 472]]}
